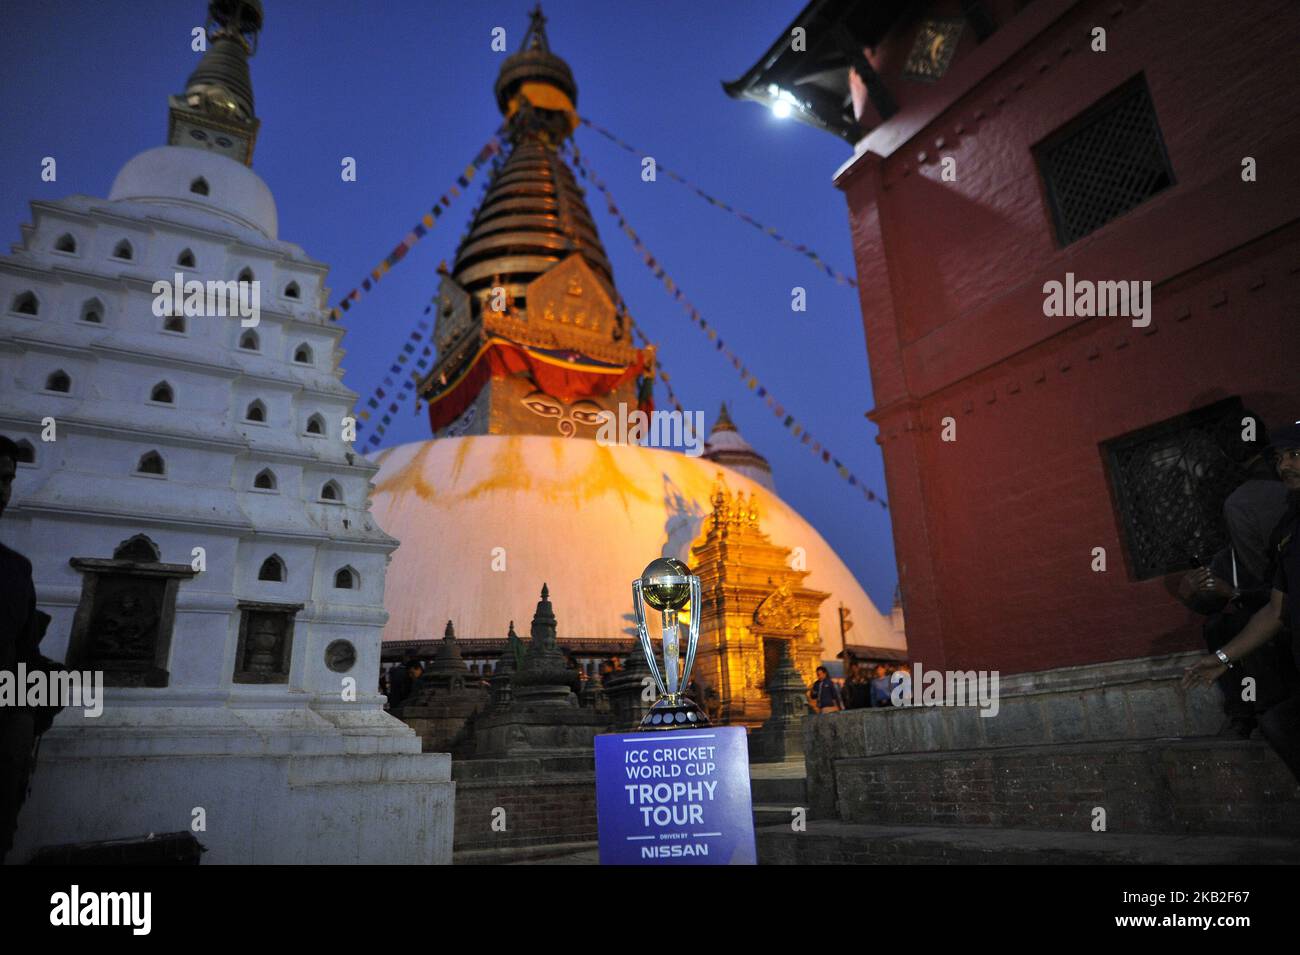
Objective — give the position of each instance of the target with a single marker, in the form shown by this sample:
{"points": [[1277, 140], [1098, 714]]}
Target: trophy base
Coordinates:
{"points": [[674, 713]]}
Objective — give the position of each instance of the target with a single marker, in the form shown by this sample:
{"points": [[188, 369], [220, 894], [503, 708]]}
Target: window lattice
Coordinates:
{"points": [[1170, 482], [1112, 159]]}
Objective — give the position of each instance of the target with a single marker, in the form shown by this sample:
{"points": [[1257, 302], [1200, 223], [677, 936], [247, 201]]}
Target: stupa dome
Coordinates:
{"points": [[167, 176], [583, 517]]}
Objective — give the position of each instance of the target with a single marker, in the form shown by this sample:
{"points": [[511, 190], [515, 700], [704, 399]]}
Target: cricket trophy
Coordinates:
{"points": [[667, 585]]}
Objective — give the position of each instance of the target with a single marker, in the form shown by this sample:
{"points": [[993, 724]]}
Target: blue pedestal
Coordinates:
{"points": [[675, 798]]}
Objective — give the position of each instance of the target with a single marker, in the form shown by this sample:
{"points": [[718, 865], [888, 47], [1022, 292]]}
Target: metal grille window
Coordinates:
{"points": [[1106, 162], [1170, 481]]}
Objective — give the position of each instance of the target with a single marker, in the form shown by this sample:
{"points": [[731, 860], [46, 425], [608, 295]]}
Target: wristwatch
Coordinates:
{"points": [[1223, 658]]}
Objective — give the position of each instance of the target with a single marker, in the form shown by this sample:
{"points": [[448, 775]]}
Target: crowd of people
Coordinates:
{"points": [[866, 686]]}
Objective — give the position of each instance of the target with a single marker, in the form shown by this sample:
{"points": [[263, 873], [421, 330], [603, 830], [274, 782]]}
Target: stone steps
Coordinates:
{"points": [[1205, 786], [828, 842], [766, 814], [779, 791]]}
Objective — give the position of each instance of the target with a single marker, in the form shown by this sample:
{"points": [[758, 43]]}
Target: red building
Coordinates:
{"points": [[1000, 147]]}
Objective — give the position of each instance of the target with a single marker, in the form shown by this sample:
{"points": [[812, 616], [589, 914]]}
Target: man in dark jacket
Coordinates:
{"points": [[1281, 724], [21, 628], [825, 695], [856, 691], [1235, 584]]}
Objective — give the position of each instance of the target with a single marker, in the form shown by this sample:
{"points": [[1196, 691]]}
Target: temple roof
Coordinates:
{"points": [[814, 82]]}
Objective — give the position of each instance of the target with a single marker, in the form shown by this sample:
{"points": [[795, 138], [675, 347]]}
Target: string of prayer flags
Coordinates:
{"points": [[404, 384], [420, 229], [771, 233], [789, 422]]}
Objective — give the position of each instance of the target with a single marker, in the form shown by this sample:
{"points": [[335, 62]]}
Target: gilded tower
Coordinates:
{"points": [[754, 602], [530, 335]]}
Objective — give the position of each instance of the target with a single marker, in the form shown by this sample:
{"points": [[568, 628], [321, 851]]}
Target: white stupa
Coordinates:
{"points": [[199, 528]]}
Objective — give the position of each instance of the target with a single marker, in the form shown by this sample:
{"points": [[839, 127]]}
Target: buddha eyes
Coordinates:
{"points": [[544, 408]]}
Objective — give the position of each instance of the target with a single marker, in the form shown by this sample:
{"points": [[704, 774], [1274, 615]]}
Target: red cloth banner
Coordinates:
{"points": [[568, 380]]}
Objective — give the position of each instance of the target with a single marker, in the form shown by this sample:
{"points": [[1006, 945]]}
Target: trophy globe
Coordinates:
{"points": [[667, 585]]}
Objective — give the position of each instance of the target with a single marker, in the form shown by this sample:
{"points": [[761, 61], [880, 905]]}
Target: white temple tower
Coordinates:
{"points": [[242, 677], [726, 446]]}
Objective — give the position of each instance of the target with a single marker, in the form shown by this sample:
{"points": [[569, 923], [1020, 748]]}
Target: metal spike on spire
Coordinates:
{"points": [[724, 422], [535, 38]]}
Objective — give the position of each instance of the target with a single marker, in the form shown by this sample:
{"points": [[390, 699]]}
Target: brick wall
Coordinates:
{"points": [[994, 532], [547, 801], [1194, 786]]}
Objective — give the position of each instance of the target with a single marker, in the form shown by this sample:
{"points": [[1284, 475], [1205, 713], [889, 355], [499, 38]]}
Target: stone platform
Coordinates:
{"points": [[331, 787], [945, 784]]}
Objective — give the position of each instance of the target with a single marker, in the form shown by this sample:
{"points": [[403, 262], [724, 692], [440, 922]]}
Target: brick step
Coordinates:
{"points": [[1203, 785], [827, 842]]}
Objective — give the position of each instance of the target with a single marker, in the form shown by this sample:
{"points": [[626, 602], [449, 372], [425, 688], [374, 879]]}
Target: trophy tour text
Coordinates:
{"points": [[680, 802]]}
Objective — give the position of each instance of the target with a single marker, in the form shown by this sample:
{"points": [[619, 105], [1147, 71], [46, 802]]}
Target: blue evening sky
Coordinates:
{"points": [[406, 88]]}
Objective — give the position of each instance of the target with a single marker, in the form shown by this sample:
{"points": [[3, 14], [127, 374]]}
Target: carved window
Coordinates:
{"points": [[151, 463], [92, 311], [292, 291], [302, 354], [1169, 483], [256, 412], [345, 579], [123, 624], [25, 303], [315, 424], [174, 323], [123, 251], [249, 341], [58, 381], [162, 392], [272, 569], [265, 480], [1103, 164], [185, 259], [199, 186], [66, 243], [331, 492], [265, 648]]}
